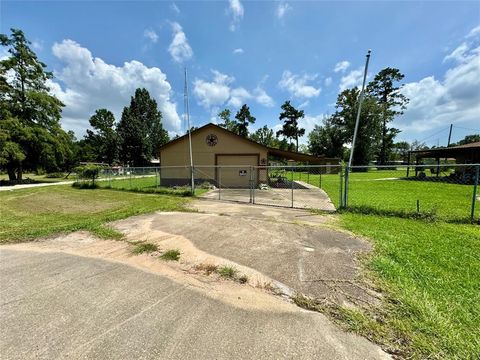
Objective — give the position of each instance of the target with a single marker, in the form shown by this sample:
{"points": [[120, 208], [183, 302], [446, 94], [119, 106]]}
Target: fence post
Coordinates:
{"points": [[130, 173], [345, 188], [254, 184], [292, 186], [251, 184], [320, 179], [340, 188], [219, 169], [192, 174], [474, 197]]}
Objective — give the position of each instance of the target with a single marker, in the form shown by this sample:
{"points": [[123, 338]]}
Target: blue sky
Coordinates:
{"points": [[259, 53]]}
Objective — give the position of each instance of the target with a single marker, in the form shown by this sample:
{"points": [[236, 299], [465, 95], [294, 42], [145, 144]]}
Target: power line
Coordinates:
{"points": [[461, 127], [438, 132]]}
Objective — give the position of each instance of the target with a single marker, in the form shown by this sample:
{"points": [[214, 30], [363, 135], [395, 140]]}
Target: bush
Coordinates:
{"points": [[84, 185], [88, 172], [54, 175]]}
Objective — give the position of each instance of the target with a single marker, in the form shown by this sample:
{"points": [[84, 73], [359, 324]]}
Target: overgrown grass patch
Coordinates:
{"points": [[171, 255], [144, 248], [38, 212], [430, 275]]}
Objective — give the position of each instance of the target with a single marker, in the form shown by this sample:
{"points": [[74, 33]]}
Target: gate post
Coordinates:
{"points": [[251, 185], [292, 186], [474, 197], [219, 169]]}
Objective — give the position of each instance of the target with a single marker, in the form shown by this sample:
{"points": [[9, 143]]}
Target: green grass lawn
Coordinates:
{"points": [[372, 191], [39, 178], [430, 275], [37, 212]]}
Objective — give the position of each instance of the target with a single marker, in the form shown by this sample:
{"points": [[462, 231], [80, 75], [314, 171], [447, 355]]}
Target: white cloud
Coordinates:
{"points": [[238, 96], [328, 81], [458, 54], [213, 93], [282, 9], [151, 35], [352, 79], [235, 9], [37, 45], [219, 91], [179, 48], [238, 51], [174, 8], [341, 66], [474, 32], [454, 99], [88, 83], [304, 104], [263, 98], [297, 85]]}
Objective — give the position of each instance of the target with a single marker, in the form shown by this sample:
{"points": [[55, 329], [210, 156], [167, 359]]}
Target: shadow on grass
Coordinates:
{"points": [[427, 216], [145, 190]]}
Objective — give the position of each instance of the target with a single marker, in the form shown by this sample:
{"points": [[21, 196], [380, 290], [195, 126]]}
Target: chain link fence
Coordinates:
{"points": [[443, 191], [440, 191]]}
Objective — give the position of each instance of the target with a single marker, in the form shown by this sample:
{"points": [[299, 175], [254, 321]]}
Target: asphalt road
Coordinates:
{"points": [[58, 306]]}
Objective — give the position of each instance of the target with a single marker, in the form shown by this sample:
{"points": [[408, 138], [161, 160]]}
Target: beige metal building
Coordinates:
{"points": [[221, 156]]}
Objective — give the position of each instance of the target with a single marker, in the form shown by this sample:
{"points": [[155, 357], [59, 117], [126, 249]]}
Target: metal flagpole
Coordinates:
{"points": [[187, 115], [360, 101]]}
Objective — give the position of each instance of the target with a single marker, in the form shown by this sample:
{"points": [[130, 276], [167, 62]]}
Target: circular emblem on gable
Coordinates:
{"points": [[211, 140]]}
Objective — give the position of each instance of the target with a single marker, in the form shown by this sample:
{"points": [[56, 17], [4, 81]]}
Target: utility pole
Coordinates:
{"points": [[449, 135], [360, 101], [187, 116]]}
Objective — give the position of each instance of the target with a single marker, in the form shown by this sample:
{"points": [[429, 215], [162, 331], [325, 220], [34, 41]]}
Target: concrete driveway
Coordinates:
{"points": [[302, 196], [78, 297]]}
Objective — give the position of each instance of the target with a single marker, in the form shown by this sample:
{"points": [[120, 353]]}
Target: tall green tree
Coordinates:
{"points": [[103, 138], [265, 136], [140, 130], [368, 129], [400, 151], [244, 118], [385, 88], [32, 137], [290, 117], [327, 140], [228, 123]]}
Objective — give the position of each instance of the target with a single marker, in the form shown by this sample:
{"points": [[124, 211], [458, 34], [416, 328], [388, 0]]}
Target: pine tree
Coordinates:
{"points": [[290, 117], [244, 118], [140, 130]]}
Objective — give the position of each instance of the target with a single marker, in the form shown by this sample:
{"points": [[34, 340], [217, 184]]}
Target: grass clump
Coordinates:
{"points": [[227, 272], [144, 248], [171, 255]]}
